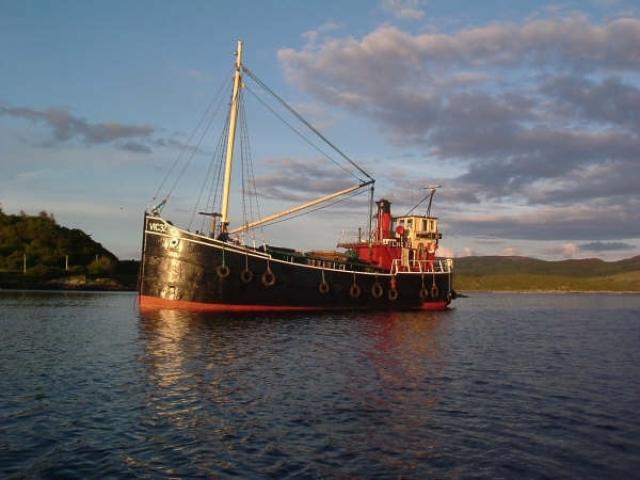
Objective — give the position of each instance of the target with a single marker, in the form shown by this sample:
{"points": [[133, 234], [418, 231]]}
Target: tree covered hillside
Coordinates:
{"points": [[46, 244], [522, 273]]}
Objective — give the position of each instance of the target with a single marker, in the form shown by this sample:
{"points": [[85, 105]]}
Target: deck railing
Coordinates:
{"points": [[437, 265]]}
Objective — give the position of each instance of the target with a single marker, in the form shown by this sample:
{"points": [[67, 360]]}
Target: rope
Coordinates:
{"points": [[217, 97], [307, 124], [215, 194], [193, 153], [417, 204], [302, 135], [244, 160], [210, 177], [216, 180], [254, 189]]}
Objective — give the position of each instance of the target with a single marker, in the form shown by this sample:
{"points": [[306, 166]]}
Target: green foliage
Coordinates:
{"points": [[101, 266], [44, 271], [128, 267], [528, 274], [45, 244], [570, 268]]}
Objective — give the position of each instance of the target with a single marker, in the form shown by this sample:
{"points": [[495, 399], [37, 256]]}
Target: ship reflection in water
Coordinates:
{"points": [[501, 386], [284, 391]]}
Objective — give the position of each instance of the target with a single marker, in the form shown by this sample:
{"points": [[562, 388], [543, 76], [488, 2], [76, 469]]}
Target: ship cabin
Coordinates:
{"points": [[406, 243], [418, 232], [418, 236]]}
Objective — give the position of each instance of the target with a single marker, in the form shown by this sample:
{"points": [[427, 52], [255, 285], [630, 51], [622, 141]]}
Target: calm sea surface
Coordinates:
{"points": [[502, 386]]}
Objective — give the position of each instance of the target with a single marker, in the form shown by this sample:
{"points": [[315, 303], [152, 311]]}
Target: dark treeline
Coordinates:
{"points": [[47, 246]]}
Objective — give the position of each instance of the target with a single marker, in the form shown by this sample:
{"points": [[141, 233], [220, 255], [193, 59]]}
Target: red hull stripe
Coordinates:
{"points": [[155, 302], [147, 302], [434, 306]]}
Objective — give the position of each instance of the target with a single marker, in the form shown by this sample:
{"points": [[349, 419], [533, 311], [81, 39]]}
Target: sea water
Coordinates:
{"points": [[500, 386]]}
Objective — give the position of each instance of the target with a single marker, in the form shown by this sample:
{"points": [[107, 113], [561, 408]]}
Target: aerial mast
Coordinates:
{"points": [[432, 191], [231, 140]]}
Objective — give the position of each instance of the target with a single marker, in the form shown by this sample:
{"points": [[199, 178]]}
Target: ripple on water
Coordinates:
{"points": [[501, 386]]}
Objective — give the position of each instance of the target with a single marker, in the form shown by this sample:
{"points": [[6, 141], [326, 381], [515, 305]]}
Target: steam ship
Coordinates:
{"points": [[392, 264]]}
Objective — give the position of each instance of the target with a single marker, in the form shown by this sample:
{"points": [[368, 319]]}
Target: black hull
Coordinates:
{"points": [[184, 269]]}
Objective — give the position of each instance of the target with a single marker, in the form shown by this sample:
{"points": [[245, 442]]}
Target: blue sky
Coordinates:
{"points": [[526, 112]]}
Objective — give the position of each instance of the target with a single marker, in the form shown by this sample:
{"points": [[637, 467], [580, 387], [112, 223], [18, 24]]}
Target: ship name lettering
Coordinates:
{"points": [[158, 227]]}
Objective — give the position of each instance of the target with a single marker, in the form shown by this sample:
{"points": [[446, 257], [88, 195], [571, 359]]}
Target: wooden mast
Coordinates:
{"points": [[231, 140], [233, 120]]}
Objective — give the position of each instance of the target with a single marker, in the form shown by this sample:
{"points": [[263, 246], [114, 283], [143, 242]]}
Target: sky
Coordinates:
{"points": [[526, 113]]}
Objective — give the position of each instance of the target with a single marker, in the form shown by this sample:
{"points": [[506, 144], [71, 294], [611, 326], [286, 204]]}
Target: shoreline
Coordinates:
{"points": [[123, 288], [71, 283], [555, 292], [56, 288]]}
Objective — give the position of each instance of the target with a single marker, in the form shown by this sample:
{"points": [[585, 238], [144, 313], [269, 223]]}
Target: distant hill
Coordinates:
{"points": [[522, 273], [45, 243], [47, 247]]}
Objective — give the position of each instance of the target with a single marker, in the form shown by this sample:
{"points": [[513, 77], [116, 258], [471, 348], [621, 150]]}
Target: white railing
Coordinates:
{"points": [[353, 236], [437, 265]]}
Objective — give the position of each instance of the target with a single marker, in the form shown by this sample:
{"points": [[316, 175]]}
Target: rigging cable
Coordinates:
{"points": [[301, 135], [209, 177], [194, 150], [307, 124], [216, 98], [214, 198], [243, 159], [215, 194], [253, 192], [417, 204]]}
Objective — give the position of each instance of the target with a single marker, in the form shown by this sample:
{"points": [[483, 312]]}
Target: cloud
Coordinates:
{"points": [[312, 36], [570, 250], [417, 86], [542, 114], [510, 252], [610, 101], [296, 180], [135, 147], [404, 9], [177, 145], [566, 250], [565, 42], [410, 85], [609, 180], [65, 127], [606, 246], [553, 223], [316, 114]]}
